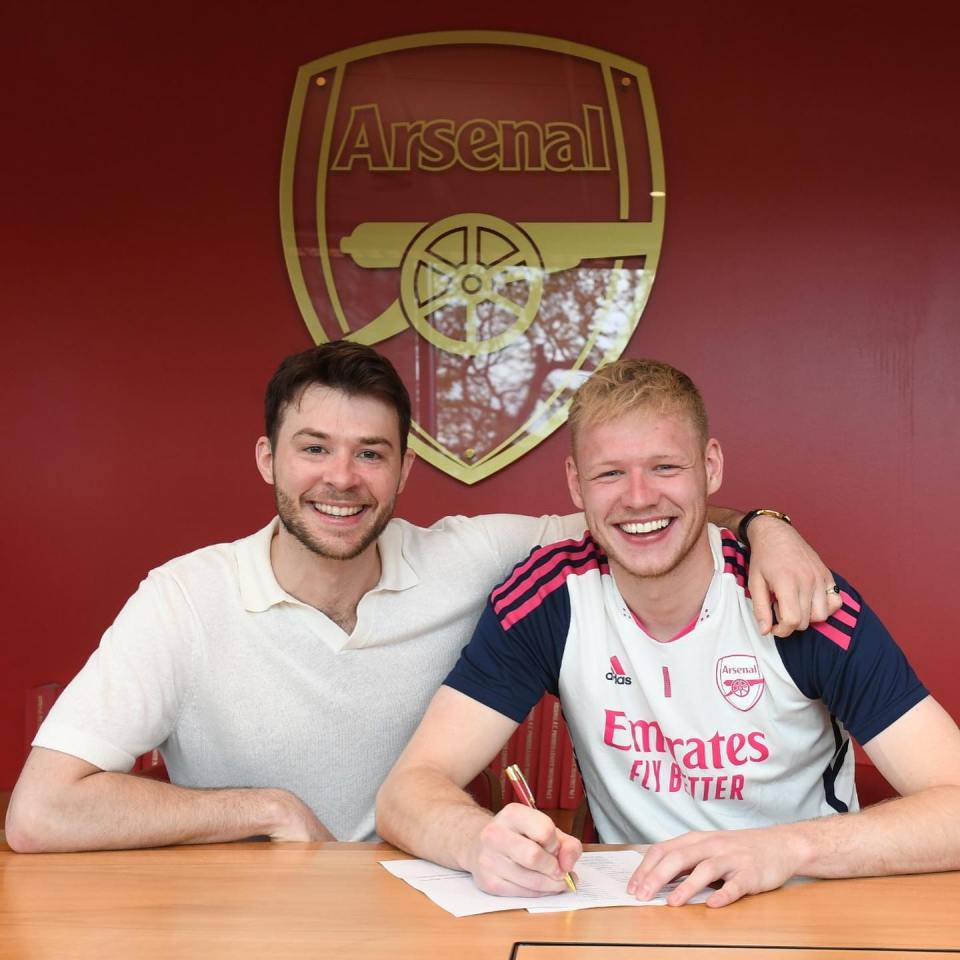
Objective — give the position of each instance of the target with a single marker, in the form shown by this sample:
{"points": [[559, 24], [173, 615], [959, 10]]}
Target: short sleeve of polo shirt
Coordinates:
{"points": [[854, 666], [127, 697]]}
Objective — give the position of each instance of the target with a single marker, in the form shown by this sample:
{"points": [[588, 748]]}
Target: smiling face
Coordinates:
{"points": [[336, 469], [643, 479]]}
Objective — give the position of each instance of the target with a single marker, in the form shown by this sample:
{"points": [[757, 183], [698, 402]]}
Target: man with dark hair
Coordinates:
{"points": [[728, 752], [282, 674], [356, 370]]}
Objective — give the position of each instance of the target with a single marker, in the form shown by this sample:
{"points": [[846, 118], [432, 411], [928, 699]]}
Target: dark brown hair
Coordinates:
{"points": [[355, 369]]}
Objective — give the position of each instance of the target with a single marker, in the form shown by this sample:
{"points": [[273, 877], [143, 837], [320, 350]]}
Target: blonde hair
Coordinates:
{"points": [[631, 384]]}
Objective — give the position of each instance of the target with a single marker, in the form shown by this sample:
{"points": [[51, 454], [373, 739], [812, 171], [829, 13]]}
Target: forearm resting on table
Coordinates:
{"points": [[919, 754], [63, 804], [915, 834], [422, 811]]}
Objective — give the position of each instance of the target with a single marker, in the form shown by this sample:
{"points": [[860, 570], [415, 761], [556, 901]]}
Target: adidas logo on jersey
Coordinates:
{"points": [[617, 674]]}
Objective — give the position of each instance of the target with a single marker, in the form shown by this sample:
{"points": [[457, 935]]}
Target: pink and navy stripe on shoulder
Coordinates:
{"points": [[517, 649], [735, 560], [543, 572], [840, 627]]}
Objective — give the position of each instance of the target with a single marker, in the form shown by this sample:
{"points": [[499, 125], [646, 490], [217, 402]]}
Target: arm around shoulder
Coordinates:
{"points": [[788, 581], [63, 804]]}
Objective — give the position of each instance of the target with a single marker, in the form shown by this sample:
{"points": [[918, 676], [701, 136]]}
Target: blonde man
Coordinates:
{"points": [[728, 752]]}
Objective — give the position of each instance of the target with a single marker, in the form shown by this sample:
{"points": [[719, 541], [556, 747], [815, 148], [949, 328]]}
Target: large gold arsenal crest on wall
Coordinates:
{"points": [[487, 208]]}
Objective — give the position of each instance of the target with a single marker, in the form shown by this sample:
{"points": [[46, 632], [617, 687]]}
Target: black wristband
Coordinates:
{"points": [[748, 518]]}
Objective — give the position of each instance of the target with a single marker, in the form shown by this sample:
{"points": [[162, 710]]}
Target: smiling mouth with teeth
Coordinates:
{"points": [[333, 511], [649, 526]]}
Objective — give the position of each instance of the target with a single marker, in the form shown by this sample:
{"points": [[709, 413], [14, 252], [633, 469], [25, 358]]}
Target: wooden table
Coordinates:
{"points": [[317, 900]]}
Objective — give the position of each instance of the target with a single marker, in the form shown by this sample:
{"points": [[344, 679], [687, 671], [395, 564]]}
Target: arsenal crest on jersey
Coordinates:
{"points": [[487, 209], [740, 681]]}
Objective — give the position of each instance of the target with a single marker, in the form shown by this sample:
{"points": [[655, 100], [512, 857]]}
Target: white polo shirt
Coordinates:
{"points": [[241, 684]]}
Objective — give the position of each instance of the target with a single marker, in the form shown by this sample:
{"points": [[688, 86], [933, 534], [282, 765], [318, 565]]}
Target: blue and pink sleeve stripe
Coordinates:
{"points": [[839, 628], [543, 572]]}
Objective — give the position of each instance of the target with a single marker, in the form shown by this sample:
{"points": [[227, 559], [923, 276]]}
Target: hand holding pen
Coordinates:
{"points": [[523, 791], [519, 852]]}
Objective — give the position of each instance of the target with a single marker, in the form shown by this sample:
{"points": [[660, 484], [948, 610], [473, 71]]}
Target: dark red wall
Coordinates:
{"points": [[809, 282]]}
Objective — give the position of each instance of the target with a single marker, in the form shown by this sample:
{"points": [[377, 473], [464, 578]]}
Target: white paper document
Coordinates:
{"points": [[601, 882]]}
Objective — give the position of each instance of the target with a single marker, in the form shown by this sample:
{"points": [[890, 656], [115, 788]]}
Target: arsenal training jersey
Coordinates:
{"points": [[719, 728]]}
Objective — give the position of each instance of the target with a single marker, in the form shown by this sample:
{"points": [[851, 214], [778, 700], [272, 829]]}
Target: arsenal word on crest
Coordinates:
{"points": [[487, 208], [739, 680]]}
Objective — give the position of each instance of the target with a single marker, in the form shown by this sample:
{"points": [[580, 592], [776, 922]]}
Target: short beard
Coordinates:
{"points": [[289, 517]]}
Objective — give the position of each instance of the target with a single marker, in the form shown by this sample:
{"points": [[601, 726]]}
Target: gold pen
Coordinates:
{"points": [[522, 788]]}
